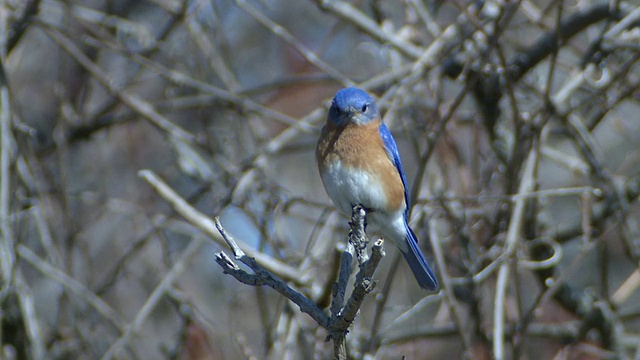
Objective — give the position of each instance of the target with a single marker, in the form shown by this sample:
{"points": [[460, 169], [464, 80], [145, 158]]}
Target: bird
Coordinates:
{"points": [[359, 164]]}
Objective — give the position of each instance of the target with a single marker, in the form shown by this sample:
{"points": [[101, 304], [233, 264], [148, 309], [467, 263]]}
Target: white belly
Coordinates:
{"points": [[347, 187]]}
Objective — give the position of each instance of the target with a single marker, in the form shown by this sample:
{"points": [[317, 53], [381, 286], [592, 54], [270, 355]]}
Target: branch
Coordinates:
{"points": [[285, 35], [341, 316], [515, 225], [73, 286], [207, 226], [350, 14], [7, 154], [548, 43], [156, 296], [127, 97], [264, 277], [20, 25], [364, 285]]}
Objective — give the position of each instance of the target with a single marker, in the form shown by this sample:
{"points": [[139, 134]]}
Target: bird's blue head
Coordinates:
{"points": [[352, 106]]}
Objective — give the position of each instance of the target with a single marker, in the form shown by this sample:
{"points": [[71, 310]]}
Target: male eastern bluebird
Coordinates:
{"points": [[359, 164]]}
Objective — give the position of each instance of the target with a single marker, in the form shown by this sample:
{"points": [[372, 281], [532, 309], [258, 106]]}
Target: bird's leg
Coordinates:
{"points": [[357, 235], [366, 211]]}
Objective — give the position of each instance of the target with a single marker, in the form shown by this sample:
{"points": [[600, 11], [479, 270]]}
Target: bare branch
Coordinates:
{"points": [[74, 286], [515, 226], [139, 105], [154, 298], [207, 226], [264, 277], [341, 316]]}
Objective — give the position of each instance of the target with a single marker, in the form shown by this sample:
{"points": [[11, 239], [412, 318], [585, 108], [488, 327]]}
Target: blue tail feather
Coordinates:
{"points": [[418, 264]]}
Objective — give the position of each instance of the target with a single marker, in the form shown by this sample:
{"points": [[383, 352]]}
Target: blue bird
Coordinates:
{"points": [[359, 164]]}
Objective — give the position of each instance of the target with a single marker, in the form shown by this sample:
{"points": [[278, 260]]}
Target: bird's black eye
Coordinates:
{"points": [[365, 107]]}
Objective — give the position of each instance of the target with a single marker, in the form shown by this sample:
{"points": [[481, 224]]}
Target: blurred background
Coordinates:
{"points": [[518, 127]]}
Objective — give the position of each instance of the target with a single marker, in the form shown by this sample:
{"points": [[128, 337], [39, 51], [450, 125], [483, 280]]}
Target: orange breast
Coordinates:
{"points": [[361, 147]]}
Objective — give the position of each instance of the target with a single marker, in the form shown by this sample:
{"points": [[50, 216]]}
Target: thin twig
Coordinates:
{"points": [[28, 311], [263, 277], [7, 240], [73, 286], [526, 185], [156, 295], [20, 25], [450, 298], [340, 288], [127, 97], [216, 60], [206, 225], [284, 34], [350, 14]]}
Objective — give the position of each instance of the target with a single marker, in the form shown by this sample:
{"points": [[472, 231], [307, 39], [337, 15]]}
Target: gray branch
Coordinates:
{"points": [[264, 277], [342, 316]]}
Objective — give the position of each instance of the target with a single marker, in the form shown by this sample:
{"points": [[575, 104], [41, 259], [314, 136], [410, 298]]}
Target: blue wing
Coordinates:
{"points": [[417, 263], [392, 151]]}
